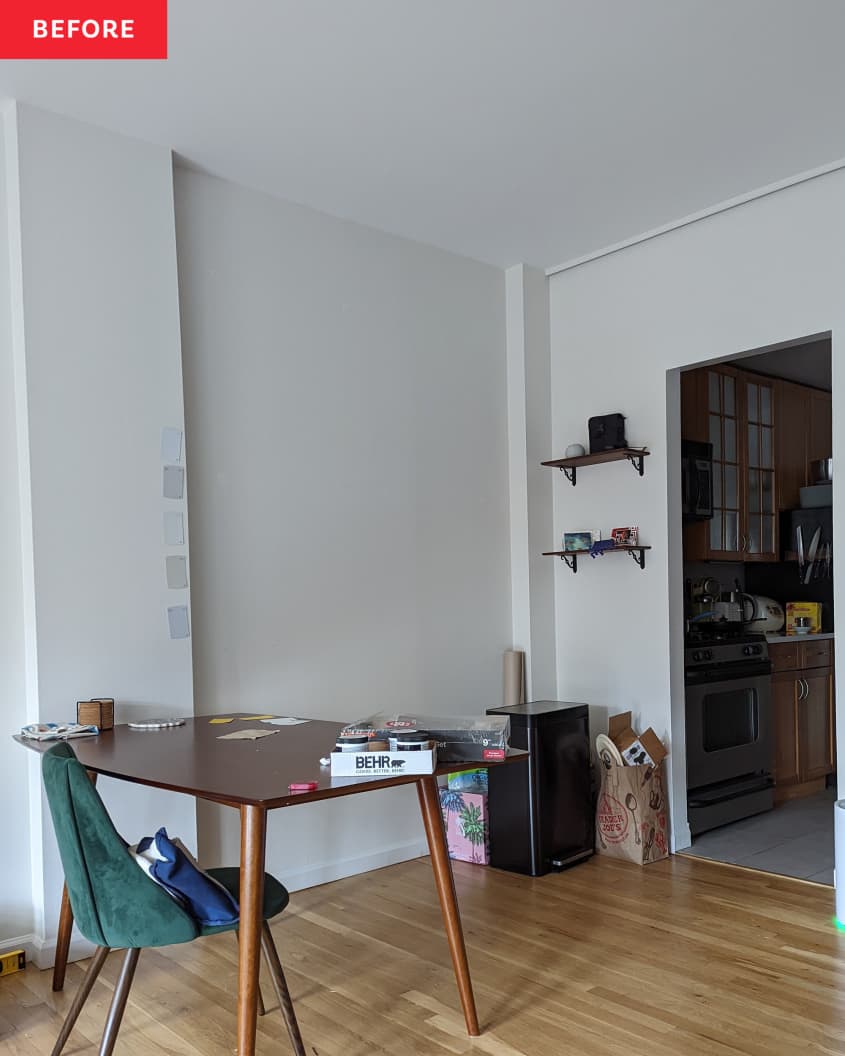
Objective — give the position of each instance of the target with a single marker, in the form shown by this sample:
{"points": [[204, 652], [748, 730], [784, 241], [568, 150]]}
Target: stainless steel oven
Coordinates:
{"points": [[729, 738]]}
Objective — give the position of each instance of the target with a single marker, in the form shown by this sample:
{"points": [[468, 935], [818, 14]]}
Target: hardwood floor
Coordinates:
{"points": [[682, 957]]}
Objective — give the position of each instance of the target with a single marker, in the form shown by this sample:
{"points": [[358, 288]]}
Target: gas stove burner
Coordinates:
{"points": [[720, 650], [715, 632]]}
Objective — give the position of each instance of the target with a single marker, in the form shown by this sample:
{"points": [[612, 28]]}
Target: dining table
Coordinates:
{"points": [[196, 758]]}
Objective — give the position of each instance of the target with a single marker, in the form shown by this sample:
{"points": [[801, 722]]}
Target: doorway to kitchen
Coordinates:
{"points": [[757, 486]]}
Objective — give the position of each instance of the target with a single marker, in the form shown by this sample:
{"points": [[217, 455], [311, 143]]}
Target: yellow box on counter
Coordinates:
{"points": [[811, 610]]}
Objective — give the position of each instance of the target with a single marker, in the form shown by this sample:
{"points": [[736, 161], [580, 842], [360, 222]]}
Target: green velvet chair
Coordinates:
{"points": [[117, 906]]}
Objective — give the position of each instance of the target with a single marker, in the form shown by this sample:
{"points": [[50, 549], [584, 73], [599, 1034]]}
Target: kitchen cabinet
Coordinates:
{"points": [[803, 431], [792, 407], [819, 442], [785, 707], [734, 410], [803, 716]]}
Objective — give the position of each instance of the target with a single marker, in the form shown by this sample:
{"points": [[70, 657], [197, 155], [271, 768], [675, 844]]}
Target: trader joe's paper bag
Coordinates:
{"points": [[631, 813]]}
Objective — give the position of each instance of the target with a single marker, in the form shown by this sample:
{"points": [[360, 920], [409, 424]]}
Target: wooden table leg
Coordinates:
{"points": [[253, 841], [62, 941], [433, 821], [65, 928]]}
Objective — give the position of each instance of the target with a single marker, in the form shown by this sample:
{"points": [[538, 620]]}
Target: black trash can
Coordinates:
{"points": [[541, 813]]}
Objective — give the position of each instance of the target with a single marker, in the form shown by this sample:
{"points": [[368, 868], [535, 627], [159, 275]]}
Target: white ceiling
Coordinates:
{"points": [[506, 130]]}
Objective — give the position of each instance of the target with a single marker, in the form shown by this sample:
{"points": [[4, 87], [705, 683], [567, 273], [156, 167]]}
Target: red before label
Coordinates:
{"points": [[493, 754], [83, 29]]}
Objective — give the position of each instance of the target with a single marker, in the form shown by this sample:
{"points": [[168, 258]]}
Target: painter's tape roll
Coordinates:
{"points": [[514, 677], [839, 858]]}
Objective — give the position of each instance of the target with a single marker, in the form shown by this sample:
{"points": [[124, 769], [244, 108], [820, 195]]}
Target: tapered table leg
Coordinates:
{"points": [[253, 841], [433, 821], [62, 941], [65, 928]]}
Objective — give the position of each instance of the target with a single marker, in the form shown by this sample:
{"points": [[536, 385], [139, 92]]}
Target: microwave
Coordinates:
{"points": [[697, 480]]}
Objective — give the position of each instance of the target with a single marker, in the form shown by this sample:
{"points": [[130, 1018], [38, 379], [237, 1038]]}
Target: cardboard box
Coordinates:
{"points": [[382, 764], [480, 738], [644, 749], [467, 825], [810, 609], [631, 814]]}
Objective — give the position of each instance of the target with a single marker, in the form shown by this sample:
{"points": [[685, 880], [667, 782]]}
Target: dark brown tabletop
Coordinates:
{"points": [[193, 759]]}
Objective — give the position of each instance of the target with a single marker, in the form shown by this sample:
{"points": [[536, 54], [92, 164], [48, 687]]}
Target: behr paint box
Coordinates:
{"points": [[383, 764]]}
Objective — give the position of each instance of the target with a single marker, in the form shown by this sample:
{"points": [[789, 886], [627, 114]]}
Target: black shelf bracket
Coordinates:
{"points": [[570, 559], [638, 556], [637, 462], [570, 474]]}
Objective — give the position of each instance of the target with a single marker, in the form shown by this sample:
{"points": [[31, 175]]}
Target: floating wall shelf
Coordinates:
{"points": [[569, 466], [571, 556]]}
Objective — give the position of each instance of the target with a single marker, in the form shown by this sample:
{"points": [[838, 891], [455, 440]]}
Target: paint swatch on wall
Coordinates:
{"points": [[177, 619], [174, 529], [171, 445], [173, 482], [177, 572]]}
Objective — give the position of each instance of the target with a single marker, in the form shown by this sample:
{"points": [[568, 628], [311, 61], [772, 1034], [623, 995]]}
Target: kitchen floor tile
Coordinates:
{"points": [[795, 839], [824, 877]]}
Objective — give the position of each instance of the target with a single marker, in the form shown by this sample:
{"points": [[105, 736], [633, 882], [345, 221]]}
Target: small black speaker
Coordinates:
{"points": [[607, 432]]}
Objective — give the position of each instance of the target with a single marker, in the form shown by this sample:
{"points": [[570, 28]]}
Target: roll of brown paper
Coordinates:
{"points": [[514, 677]]}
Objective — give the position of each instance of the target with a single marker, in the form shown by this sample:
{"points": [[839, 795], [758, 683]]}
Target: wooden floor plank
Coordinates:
{"points": [[608, 959]]}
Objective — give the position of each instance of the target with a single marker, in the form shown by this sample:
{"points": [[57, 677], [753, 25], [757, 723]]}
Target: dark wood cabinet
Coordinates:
{"points": [[765, 434], [819, 443], [817, 756], [734, 410], [803, 428], [792, 410], [803, 716], [785, 707]]}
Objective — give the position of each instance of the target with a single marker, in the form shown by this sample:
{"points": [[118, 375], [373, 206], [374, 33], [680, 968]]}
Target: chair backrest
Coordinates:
{"points": [[114, 902]]}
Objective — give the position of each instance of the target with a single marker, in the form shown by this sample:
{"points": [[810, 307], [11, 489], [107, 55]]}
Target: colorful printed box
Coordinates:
{"points": [[467, 826]]}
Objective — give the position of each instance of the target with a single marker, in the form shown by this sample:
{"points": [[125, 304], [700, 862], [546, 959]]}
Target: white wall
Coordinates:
{"points": [[768, 271], [99, 340], [346, 414], [16, 914], [530, 486]]}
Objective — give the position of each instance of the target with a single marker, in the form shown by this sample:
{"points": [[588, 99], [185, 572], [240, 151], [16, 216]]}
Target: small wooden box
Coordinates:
{"points": [[97, 712]]}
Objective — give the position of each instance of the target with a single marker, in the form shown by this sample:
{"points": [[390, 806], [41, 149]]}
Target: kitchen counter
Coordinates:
{"points": [[774, 639]]}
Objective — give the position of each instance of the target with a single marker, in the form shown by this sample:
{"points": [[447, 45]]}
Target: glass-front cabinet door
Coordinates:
{"points": [[740, 426], [760, 541], [726, 529]]}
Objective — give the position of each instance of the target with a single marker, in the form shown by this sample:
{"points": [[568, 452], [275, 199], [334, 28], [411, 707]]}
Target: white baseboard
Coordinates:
{"points": [[337, 870], [42, 953], [27, 943]]}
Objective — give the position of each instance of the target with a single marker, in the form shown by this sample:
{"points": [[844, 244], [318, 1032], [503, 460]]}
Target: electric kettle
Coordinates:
{"points": [[763, 615]]}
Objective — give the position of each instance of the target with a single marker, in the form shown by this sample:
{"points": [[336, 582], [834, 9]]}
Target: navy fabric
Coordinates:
{"points": [[208, 902]]}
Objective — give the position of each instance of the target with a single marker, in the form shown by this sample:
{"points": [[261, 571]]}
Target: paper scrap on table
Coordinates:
{"points": [[174, 529], [173, 482], [246, 735], [219, 722], [171, 445], [284, 721], [256, 718], [176, 572]]}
